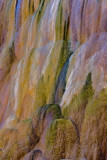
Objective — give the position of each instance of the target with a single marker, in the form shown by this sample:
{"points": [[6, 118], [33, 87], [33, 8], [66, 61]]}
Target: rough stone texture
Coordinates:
{"points": [[53, 79]]}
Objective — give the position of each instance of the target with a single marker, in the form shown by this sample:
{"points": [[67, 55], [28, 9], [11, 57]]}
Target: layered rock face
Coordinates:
{"points": [[53, 79]]}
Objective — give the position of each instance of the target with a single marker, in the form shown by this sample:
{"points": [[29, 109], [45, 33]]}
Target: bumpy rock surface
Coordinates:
{"points": [[53, 79]]}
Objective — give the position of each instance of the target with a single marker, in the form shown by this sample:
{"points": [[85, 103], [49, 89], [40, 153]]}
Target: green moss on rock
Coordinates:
{"points": [[94, 128], [61, 138], [42, 119], [80, 101]]}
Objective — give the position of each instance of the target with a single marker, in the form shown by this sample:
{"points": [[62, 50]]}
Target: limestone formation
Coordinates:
{"points": [[53, 79]]}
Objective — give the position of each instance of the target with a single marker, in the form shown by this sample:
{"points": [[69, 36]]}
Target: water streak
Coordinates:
{"points": [[17, 14]]}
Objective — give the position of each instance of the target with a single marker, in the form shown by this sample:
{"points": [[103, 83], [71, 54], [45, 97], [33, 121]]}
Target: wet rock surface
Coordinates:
{"points": [[53, 79]]}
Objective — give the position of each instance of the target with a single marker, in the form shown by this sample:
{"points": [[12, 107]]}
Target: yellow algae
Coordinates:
{"points": [[61, 137], [10, 15], [50, 71]]}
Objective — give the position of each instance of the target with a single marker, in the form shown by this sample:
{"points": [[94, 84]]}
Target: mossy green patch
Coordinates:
{"points": [[97, 103], [43, 114], [59, 22], [80, 101], [27, 120], [61, 137], [54, 109], [50, 76], [94, 128], [40, 95]]}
